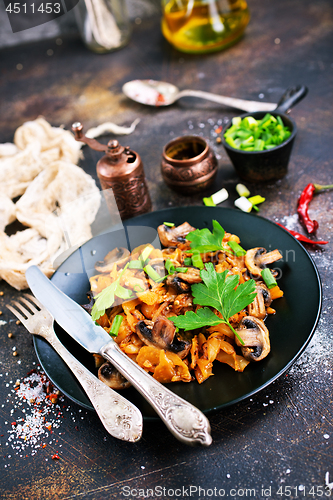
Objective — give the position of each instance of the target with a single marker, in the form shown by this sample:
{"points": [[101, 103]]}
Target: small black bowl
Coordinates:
{"points": [[269, 165], [263, 166]]}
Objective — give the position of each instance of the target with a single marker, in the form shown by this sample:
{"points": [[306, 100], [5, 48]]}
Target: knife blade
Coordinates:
{"points": [[186, 422]]}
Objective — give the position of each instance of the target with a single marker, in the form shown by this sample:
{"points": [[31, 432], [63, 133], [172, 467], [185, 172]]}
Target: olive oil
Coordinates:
{"points": [[201, 26]]}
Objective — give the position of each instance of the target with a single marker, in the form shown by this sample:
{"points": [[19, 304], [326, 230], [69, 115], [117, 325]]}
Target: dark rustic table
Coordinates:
{"points": [[276, 444]]}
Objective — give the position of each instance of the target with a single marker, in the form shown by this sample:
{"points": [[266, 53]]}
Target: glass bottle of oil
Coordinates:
{"points": [[201, 26]]}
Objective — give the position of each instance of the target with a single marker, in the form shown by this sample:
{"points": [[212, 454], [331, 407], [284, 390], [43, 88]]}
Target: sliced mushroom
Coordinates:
{"points": [[99, 360], [162, 334], [255, 336], [191, 276], [117, 254], [182, 282], [183, 303], [178, 284], [108, 374], [170, 236], [262, 300], [257, 258]]}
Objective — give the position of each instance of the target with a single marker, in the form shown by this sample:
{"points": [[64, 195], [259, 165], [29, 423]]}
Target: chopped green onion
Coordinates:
{"points": [[231, 142], [137, 288], [249, 121], [197, 260], [135, 264], [181, 269], [242, 190], [152, 273], [236, 248], [170, 267], [279, 119], [256, 200], [249, 134], [243, 204], [209, 202], [188, 261], [255, 208], [145, 253], [115, 325], [268, 278], [169, 224], [220, 196], [236, 121]]}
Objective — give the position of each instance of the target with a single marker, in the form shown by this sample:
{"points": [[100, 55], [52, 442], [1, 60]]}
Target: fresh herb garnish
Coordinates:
{"points": [[197, 260], [106, 297], [169, 224], [202, 240], [223, 293]]}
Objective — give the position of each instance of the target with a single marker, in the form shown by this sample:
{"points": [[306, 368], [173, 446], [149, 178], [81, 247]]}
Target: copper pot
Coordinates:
{"points": [[188, 164]]}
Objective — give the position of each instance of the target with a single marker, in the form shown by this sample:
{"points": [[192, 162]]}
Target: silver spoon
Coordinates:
{"points": [[154, 93]]}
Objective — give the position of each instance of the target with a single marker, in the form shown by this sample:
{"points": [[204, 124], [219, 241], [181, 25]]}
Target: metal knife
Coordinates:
{"points": [[186, 422]]}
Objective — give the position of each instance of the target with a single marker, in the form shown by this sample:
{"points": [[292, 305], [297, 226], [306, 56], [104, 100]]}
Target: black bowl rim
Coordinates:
{"points": [[253, 153]]}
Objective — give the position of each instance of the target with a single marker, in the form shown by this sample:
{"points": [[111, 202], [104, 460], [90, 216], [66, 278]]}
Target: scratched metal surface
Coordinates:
{"points": [[283, 435]]}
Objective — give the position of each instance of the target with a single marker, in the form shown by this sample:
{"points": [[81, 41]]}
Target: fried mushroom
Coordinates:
{"points": [[178, 284], [108, 374], [255, 336], [182, 282], [183, 303], [257, 258], [116, 255], [170, 236], [262, 300], [162, 334]]}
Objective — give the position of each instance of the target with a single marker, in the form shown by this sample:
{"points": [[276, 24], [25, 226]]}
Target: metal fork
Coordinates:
{"points": [[119, 416]]}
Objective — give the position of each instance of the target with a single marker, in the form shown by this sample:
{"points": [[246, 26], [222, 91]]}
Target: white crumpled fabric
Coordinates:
{"points": [[58, 200]]}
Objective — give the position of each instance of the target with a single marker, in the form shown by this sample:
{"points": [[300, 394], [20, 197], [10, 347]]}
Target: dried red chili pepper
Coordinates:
{"points": [[302, 209], [303, 205], [301, 237]]}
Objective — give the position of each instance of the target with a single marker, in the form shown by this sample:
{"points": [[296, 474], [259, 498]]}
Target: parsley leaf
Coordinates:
{"points": [[192, 320], [202, 240], [106, 297], [223, 293]]}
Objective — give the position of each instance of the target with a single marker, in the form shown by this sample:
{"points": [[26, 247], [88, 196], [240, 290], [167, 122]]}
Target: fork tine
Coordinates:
{"points": [[22, 308], [30, 305], [16, 313], [33, 299]]}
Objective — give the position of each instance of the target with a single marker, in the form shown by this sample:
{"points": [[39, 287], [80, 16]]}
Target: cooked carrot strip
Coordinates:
{"points": [[276, 292], [194, 352]]}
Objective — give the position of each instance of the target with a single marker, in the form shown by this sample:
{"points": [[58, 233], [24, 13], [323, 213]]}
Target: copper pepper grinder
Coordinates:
{"points": [[122, 170]]}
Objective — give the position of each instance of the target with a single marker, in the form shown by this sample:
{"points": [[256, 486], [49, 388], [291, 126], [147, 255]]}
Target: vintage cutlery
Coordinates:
{"points": [[155, 93], [119, 416], [186, 422]]}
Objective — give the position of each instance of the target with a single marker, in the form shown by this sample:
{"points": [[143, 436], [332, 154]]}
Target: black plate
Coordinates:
{"points": [[291, 328]]}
